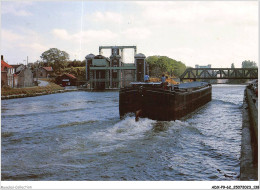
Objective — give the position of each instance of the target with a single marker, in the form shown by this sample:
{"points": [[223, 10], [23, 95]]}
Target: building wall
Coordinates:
{"points": [[100, 62], [25, 78], [66, 81], [203, 66], [128, 76], [10, 77], [104, 73], [16, 81], [42, 73], [4, 77], [28, 77], [107, 78], [19, 68]]}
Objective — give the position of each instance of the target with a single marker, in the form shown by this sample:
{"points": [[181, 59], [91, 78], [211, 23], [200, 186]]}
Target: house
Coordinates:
{"points": [[7, 73], [18, 68], [44, 72], [23, 78], [66, 80]]}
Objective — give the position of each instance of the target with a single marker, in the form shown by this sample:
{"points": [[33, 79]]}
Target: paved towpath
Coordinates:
{"points": [[42, 83]]}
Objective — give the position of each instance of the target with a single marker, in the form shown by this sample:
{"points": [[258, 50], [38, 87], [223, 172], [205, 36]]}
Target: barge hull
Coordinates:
{"points": [[160, 104]]}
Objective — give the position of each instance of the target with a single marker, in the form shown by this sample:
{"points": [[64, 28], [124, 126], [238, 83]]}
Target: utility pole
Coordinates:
{"points": [[36, 71]]}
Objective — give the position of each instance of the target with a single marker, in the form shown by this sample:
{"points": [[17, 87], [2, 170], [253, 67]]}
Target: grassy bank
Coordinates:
{"points": [[31, 91]]}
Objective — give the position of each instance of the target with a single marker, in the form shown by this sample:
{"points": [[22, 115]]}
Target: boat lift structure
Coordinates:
{"points": [[118, 49], [111, 72]]}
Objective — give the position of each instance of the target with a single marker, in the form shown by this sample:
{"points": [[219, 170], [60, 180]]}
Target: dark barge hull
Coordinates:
{"points": [[160, 104]]}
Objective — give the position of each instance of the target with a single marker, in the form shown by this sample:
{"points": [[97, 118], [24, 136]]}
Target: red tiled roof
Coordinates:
{"points": [[70, 75], [48, 68], [4, 65]]}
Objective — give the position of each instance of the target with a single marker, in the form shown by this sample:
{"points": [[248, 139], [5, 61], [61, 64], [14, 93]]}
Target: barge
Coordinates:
{"points": [[157, 101]]}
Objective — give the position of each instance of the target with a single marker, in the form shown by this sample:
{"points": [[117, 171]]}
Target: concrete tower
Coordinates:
{"points": [[141, 68], [89, 59]]}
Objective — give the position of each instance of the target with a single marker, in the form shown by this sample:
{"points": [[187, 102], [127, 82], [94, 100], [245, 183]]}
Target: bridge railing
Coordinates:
{"points": [[220, 73]]}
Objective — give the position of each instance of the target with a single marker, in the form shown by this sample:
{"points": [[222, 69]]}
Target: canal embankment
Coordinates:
{"points": [[51, 88], [249, 143]]}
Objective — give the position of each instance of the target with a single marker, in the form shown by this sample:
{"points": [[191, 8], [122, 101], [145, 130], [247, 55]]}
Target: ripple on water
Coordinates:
{"points": [[77, 123]]}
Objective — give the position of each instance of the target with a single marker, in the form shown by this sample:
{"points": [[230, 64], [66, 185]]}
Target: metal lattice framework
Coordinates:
{"points": [[220, 73]]}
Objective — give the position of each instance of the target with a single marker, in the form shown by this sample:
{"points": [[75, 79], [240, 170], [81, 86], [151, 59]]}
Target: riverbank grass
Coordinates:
{"points": [[31, 91]]}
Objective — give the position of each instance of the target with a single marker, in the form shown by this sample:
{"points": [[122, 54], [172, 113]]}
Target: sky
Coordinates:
{"points": [[194, 32]]}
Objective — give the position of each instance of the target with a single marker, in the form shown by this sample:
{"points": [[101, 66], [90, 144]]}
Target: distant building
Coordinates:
{"points": [[66, 80], [7, 73], [210, 72], [18, 68], [203, 66], [44, 72], [23, 78]]}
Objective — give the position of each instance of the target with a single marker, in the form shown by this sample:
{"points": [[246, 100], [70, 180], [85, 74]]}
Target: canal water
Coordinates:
{"points": [[79, 136]]}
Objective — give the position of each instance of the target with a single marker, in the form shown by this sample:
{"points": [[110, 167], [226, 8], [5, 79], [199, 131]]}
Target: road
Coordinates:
{"points": [[42, 83]]}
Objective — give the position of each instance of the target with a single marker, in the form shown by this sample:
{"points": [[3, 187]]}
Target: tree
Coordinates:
{"points": [[245, 64], [76, 63], [249, 64], [233, 81], [55, 58], [159, 65]]}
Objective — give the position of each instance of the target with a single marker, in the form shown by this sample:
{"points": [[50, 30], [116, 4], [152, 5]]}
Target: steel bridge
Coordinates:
{"points": [[220, 73]]}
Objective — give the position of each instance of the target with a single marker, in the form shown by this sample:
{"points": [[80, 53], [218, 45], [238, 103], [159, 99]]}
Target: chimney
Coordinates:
{"points": [[2, 57]]}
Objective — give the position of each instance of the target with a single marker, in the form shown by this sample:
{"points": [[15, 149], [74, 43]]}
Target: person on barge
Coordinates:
{"points": [[164, 82], [163, 78], [146, 78]]}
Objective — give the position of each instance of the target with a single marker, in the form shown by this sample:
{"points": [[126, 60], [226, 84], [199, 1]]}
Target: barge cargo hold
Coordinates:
{"points": [[163, 103]]}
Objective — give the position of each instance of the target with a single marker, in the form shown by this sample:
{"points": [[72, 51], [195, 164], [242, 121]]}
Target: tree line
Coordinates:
{"points": [[60, 62], [159, 65], [245, 64]]}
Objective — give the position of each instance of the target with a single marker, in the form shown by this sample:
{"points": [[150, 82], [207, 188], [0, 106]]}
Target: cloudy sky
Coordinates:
{"points": [[194, 32]]}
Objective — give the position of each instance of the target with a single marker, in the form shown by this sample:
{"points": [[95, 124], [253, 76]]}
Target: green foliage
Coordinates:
{"points": [[76, 63], [245, 64], [234, 81], [159, 65], [79, 72], [59, 61], [249, 64], [55, 58]]}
